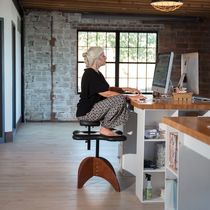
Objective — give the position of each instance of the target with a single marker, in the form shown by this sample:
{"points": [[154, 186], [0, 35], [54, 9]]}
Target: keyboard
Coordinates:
{"points": [[201, 99]]}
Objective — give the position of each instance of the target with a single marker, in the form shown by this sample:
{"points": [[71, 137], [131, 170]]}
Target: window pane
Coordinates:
{"points": [[149, 85], [142, 71], [152, 40], [111, 82], [124, 39], [79, 84], [81, 50], [81, 67], [132, 83], [133, 71], [142, 55], [111, 40], [133, 54], [133, 41], [151, 55], [142, 85], [142, 39], [123, 54], [110, 70], [150, 70], [110, 54], [101, 39], [103, 70], [82, 38], [123, 82], [92, 39], [123, 72]]}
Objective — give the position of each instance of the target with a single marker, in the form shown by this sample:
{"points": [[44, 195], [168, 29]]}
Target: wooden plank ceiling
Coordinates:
{"points": [[195, 8]]}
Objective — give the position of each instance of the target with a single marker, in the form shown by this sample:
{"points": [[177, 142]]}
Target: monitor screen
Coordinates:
{"points": [[162, 74], [189, 68]]}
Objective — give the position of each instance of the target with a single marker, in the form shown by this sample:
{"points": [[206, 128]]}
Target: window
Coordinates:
{"points": [[131, 57]]}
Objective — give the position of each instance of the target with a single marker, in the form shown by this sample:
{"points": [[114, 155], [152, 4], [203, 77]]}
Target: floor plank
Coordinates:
{"points": [[39, 172]]}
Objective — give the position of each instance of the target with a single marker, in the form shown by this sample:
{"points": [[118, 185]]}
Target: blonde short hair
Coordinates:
{"points": [[91, 55]]}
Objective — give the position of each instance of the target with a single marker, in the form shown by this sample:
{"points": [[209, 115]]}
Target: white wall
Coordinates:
{"points": [[9, 13]]}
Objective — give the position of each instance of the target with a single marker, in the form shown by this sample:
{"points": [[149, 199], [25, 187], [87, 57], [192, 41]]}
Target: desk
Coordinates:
{"points": [[169, 104], [188, 187], [136, 149]]}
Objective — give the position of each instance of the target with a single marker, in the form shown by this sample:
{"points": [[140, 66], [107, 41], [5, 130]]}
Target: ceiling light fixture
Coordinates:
{"points": [[166, 5]]}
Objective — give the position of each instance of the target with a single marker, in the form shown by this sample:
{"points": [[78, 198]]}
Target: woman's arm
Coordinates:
{"points": [[108, 93], [125, 90], [116, 89], [113, 91], [131, 90]]}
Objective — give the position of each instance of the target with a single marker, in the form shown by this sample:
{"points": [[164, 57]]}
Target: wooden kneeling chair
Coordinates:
{"points": [[96, 166]]}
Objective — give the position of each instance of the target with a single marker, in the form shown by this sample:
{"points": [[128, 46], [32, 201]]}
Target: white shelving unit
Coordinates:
{"points": [[146, 150]]}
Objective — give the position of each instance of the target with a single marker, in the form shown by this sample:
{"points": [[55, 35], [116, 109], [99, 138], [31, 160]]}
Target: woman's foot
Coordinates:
{"points": [[107, 132]]}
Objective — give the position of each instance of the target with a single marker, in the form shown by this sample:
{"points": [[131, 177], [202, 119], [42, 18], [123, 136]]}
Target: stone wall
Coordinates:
{"points": [[50, 55], [50, 67]]}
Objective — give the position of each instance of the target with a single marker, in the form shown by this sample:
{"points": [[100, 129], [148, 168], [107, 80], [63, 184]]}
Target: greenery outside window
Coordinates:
{"points": [[131, 57]]}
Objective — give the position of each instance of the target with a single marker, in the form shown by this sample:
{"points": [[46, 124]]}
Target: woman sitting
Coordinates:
{"points": [[98, 101]]}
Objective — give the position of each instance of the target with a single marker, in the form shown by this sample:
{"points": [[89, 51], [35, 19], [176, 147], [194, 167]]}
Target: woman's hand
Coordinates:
{"points": [[131, 90], [137, 97]]}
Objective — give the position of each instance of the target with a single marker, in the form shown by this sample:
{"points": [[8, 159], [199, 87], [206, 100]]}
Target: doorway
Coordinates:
{"points": [[1, 81], [14, 76]]}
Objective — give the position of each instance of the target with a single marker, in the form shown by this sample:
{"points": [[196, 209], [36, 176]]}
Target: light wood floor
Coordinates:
{"points": [[39, 172]]}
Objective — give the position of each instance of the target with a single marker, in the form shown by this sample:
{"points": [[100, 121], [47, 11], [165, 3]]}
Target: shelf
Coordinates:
{"points": [[155, 199], [162, 170], [154, 140]]}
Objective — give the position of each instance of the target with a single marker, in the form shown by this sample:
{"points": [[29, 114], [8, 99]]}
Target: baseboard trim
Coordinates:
{"points": [[8, 137], [18, 123]]}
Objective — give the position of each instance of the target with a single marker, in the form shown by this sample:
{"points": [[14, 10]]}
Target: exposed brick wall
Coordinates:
{"points": [[185, 37], [50, 69], [37, 61]]}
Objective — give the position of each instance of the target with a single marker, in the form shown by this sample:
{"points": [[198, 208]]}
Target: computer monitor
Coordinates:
{"points": [[162, 74], [190, 70]]}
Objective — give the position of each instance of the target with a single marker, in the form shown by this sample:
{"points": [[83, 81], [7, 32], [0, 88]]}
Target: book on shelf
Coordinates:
{"points": [[172, 150]]}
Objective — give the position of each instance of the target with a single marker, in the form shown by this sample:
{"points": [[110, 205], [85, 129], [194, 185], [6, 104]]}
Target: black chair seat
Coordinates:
{"points": [[95, 135], [89, 123]]}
